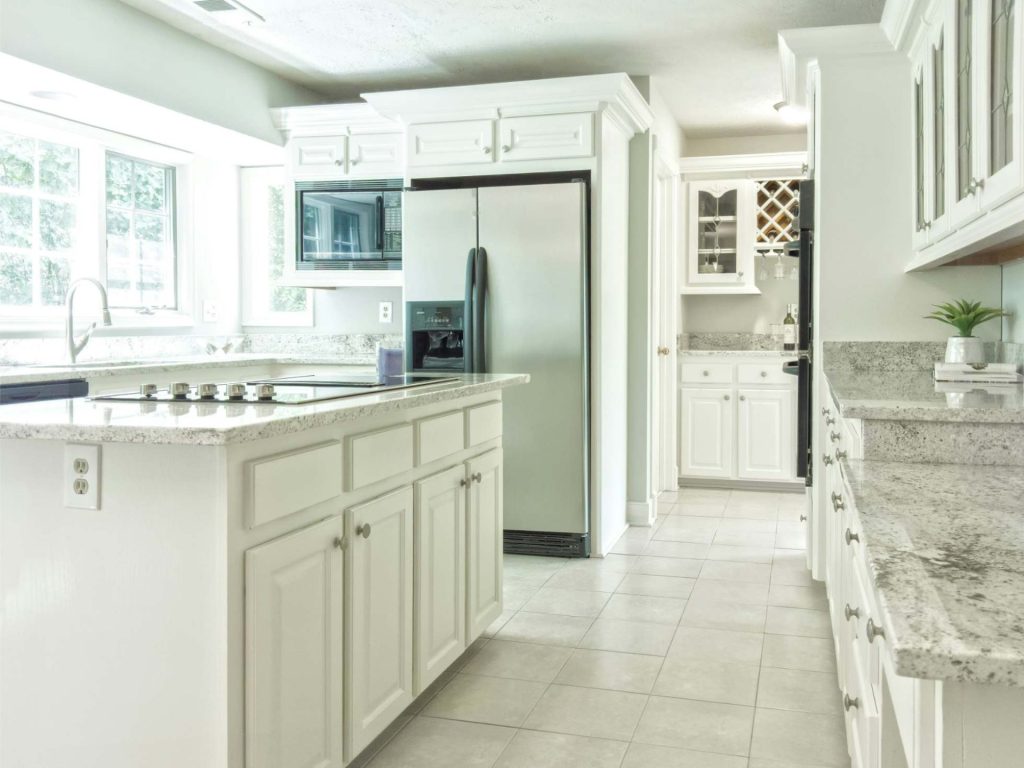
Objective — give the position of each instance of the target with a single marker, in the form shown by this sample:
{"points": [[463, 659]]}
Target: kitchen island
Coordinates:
{"points": [[241, 584]]}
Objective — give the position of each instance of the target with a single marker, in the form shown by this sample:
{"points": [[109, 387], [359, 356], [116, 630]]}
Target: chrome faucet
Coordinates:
{"points": [[75, 346]]}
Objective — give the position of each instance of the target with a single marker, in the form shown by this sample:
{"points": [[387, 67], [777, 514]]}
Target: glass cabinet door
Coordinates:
{"points": [[919, 153], [938, 59], [1001, 83], [717, 212], [964, 94]]}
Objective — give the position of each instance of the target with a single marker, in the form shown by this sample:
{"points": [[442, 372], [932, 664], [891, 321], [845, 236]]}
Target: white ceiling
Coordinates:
{"points": [[716, 60]]}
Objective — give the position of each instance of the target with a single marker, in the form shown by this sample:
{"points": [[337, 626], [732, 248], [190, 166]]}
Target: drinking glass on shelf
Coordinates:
{"points": [[777, 334]]}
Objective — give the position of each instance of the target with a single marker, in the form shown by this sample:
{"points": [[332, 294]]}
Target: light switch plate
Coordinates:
{"points": [[209, 311], [386, 309], [81, 476]]}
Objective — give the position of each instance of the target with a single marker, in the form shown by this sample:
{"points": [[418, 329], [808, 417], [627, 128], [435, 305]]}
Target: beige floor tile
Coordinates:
{"points": [[629, 637], [699, 508], [708, 681], [668, 566], [494, 700], [657, 586], [791, 539], [651, 756], [535, 749], [567, 602], [609, 563], [760, 539], [799, 690], [659, 610], [632, 672], [531, 564], [516, 593], [744, 525], [700, 643], [696, 530], [669, 495], [715, 614], [626, 546], [587, 712], [760, 762], [593, 579], [789, 652], [791, 574], [738, 554], [786, 596], [429, 742], [796, 621], [699, 725], [800, 737], [730, 591], [758, 573], [752, 511], [498, 623], [522, 661], [545, 628], [676, 549]]}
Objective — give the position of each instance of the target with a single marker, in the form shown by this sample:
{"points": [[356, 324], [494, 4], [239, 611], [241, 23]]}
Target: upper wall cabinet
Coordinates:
{"points": [[461, 142], [318, 158], [968, 137], [720, 246]]}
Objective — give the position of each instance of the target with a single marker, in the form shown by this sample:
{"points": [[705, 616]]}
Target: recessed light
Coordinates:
{"points": [[791, 113], [53, 95]]}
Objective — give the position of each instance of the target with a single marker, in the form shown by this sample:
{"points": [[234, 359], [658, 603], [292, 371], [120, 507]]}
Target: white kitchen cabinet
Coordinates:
{"points": [[379, 616], [544, 137], [708, 440], [484, 542], [317, 157], [459, 142], [720, 244], [377, 155], [294, 589], [440, 558], [765, 445]]}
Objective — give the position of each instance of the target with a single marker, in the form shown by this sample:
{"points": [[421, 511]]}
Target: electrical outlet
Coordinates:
{"points": [[386, 308], [82, 476], [209, 311]]}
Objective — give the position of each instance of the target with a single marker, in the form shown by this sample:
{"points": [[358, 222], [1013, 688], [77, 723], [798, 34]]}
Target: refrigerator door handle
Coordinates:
{"points": [[468, 335], [479, 312]]}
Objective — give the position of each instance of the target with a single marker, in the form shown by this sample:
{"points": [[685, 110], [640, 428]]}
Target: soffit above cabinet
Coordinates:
{"points": [[772, 165]]}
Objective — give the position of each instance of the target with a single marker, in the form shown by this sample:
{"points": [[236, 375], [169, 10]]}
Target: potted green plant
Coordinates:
{"points": [[965, 316]]}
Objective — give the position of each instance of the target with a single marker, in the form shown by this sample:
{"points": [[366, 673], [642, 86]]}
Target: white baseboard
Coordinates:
{"points": [[642, 513]]}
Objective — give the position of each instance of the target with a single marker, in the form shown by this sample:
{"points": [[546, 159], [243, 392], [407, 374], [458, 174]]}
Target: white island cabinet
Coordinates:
{"points": [[262, 586]]}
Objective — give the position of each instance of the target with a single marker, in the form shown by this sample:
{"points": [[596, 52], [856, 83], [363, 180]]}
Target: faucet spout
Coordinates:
{"points": [[75, 346]]}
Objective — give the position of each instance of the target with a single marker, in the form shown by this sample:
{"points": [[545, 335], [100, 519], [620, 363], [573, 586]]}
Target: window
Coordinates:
{"points": [[79, 202], [264, 301], [140, 233]]}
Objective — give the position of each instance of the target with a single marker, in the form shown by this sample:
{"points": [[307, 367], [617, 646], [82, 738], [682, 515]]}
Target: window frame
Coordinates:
{"points": [[93, 144]]}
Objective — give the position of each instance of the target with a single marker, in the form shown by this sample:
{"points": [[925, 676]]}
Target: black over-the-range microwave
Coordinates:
{"points": [[348, 224]]}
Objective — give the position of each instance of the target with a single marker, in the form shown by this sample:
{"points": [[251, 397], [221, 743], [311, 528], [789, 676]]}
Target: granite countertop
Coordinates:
{"points": [[736, 353], [916, 396], [221, 424], [17, 374], [945, 547]]}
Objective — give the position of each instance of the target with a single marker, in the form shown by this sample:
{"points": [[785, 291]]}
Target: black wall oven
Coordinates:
{"points": [[348, 224]]}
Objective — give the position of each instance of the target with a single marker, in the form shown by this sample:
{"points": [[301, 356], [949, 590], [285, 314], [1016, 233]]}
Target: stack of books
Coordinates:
{"points": [[993, 373]]}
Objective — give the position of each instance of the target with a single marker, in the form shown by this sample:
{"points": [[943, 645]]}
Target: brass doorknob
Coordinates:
{"points": [[662, 351]]}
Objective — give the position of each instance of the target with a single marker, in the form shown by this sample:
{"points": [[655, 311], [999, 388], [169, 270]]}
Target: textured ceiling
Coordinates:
{"points": [[716, 60]]}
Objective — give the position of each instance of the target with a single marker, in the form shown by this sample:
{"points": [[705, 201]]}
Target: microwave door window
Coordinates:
{"points": [[339, 226]]}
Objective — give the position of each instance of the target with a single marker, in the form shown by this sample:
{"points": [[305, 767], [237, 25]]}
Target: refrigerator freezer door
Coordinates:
{"points": [[535, 322], [438, 230]]}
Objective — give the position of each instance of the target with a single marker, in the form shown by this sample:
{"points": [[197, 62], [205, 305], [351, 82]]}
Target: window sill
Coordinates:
{"points": [[123, 324]]}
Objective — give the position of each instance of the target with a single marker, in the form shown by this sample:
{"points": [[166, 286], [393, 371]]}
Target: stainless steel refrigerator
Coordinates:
{"points": [[496, 281]]}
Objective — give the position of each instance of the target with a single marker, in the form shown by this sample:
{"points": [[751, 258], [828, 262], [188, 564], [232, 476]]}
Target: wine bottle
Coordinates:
{"points": [[789, 329]]}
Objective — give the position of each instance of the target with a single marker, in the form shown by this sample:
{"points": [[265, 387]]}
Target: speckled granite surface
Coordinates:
{"points": [[216, 424], [703, 354], [730, 341], [943, 544]]}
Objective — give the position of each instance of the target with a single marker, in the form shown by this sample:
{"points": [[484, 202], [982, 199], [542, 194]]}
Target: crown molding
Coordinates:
{"points": [[899, 19], [332, 119], [767, 165], [613, 94]]}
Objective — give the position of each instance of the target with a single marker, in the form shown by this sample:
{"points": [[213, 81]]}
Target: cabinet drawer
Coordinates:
{"points": [[317, 156], [440, 436], [375, 153], [768, 372], [456, 143], [289, 482], [707, 373], [540, 137], [379, 455], [483, 423]]}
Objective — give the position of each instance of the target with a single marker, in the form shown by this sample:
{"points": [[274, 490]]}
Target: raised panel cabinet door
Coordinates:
{"points": [[439, 634], [317, 157], [456, 143], [375, 153], [765, 435], [708, 432], [484, 530], [379, 607], [542, 137], [293, 649]]}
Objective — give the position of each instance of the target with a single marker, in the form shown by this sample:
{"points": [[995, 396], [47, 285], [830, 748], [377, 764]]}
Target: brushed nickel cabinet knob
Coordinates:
{"points": [[849, 703], [873, 630], [851, 537], [363, 530], [851, 613]]}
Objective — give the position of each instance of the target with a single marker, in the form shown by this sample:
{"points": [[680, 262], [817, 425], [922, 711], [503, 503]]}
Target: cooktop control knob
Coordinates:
{"points": [[265, 392], [208, 391], [180, 390], [147, 390], [236, 391]]}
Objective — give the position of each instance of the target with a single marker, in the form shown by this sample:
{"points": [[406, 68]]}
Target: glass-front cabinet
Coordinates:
{"points": [[720, 247]]}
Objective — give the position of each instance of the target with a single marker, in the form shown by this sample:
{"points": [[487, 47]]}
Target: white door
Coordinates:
{"points": [[765, 436], [378, 616], [440, 613], [708, 429], [293, 649], [484, 548], [664, 435]]}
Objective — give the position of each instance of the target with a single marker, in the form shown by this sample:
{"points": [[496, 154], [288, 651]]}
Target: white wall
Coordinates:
{"points": [[111, 44], [1013, 301], [742, 314], [355, 310], [747, 145]]}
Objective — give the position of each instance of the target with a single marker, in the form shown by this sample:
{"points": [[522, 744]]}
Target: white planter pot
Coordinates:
{"points": [[965, 349]]}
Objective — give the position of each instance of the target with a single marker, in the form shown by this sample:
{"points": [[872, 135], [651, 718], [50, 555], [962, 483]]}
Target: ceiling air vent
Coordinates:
{"points": [[230, 12]]}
